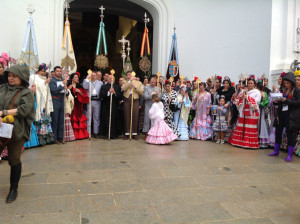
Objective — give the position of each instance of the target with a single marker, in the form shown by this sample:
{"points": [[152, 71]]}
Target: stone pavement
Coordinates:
{"points": [[120, 181]]}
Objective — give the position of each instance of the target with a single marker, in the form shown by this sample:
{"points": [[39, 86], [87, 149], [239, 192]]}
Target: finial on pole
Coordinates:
{"points": [[174, 28], [128, 47], [102, 10], [67, 6], [30, 10], [146, 19]]}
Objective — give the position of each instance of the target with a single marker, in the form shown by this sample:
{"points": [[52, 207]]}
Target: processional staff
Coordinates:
{"points": [[181, 79], [112, 72], [90, 104], [131, 113], [198, 81], [49, 72], [158, 75], [170, 91]]}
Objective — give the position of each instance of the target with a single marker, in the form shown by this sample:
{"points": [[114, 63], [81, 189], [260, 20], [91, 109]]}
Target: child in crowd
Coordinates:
{"points": [[220, 124], [159, 133]]}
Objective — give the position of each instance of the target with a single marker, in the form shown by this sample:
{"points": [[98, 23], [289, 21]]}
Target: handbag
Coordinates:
{"points": [[6, 129]]}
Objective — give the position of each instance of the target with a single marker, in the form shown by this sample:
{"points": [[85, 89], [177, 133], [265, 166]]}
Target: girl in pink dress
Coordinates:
{"points": [[160, 133]]}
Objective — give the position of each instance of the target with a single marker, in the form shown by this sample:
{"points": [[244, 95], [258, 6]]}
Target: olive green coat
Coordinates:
{"points": [[24, 102]]}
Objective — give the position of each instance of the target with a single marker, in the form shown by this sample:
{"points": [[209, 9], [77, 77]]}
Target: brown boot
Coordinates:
{"points": [[126, 137], [135, 137]]}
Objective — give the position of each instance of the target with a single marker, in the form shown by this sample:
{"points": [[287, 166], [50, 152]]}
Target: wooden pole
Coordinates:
{"points": [[131, 112], [90, 104]]}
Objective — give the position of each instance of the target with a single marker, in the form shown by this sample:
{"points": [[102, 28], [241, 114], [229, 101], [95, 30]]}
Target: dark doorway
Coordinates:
{"points": [[121, 18]]}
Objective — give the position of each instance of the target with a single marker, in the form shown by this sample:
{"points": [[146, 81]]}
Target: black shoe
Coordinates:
{"points": [[61, 141], [12, 196], [126, 137], [57, 142], [97, 136]]}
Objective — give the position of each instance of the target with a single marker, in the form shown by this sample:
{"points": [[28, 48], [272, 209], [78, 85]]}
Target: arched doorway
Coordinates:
{"points": [[161, 12], [121, 18]]}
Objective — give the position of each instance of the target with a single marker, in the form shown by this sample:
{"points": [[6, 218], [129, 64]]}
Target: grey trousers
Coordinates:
{"points": [[95, 114], [58, 118]]}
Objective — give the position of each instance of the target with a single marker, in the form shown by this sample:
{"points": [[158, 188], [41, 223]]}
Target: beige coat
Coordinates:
{"points": [[137, 92], [69, 103]]}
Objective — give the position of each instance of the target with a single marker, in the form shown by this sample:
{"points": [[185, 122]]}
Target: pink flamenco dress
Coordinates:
{"points": [[201, 126], [160, 133]]}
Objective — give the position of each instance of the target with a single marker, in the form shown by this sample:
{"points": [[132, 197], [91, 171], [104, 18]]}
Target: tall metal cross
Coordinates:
{"points": [[67, 6], [123, 41], [146, 19], [102, 10]]}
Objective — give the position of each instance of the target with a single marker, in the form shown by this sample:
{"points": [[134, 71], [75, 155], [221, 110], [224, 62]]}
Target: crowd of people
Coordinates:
{"points": [[61, 107]]}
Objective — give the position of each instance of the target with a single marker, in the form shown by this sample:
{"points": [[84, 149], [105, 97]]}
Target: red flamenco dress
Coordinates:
{"points": [[78, 119], [246, 131]]}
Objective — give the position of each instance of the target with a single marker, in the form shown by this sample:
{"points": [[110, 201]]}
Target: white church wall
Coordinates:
{"points": [[223, 37], [283, 35], [14, 17], [214, 37]]}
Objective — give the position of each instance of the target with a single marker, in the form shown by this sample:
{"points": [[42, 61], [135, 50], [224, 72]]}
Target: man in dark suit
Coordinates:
{"points": [[106, 91]]}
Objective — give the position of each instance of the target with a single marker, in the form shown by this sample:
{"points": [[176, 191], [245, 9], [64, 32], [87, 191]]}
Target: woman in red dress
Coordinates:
{"points": [[78, 119], [246, 132]]}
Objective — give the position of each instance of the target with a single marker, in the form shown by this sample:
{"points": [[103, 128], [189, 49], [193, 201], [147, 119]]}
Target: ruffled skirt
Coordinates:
{"points": [[202, 130], [44, 129], [69, 133], [34, 141], [246, 133], [79, 126], [160, 134]]}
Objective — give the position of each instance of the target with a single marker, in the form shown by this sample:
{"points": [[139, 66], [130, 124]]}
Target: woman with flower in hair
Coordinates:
{"points": [[78, 119], [246, 132], [39, 84]]}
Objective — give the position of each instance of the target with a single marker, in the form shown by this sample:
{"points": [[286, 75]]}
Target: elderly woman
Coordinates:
{"points": [[16, 100]]}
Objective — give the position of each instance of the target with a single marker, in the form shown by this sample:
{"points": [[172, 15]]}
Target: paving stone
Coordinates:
{"points": [[244, 221], [99, 181], [169, 183], [251, 209], [192, 213], [57, 218], [117, 216]]}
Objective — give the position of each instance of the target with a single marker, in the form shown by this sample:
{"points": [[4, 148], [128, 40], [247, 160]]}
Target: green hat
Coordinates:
{"points": [[20, 70]]}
